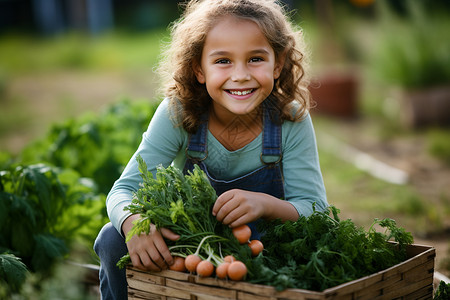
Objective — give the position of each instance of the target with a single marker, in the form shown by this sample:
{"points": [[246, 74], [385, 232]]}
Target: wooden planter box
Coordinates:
{"points": [[411, 279]]}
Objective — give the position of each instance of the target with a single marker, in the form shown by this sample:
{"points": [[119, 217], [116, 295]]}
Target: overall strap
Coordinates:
{"points": [[197, 144], [271, 139]]}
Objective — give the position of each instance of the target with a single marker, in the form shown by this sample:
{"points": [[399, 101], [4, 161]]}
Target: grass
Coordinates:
{"points": [[439, 144], [116, 51]]}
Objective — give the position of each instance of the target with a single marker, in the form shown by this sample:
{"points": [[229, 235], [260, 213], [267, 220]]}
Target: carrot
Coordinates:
{"points": [[205, 268], [237, 270], [191, 262], [222, 270], [256, 246], [229, 258], [178, 264], [242, 233]]}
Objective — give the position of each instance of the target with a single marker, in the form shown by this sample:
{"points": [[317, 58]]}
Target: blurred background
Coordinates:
{"points": [[78, 88]]}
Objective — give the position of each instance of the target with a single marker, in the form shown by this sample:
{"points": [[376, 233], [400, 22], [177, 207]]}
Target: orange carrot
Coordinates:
{"points": [[242, 233], [237, 270]]}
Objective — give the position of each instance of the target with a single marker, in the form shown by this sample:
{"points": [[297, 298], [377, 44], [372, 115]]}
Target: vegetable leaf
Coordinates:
{"points": [[12, 271]]}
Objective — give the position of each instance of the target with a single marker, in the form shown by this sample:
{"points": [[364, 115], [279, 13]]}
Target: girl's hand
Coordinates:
{"points": [[149, 252], [237, 207]]}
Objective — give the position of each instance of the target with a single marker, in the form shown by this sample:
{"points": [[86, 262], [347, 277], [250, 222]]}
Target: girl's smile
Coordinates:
{"points": [[238, 67], [241, 94]]}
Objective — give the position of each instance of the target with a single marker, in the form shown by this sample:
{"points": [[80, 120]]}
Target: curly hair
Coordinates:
{"points": [[190, 99]]}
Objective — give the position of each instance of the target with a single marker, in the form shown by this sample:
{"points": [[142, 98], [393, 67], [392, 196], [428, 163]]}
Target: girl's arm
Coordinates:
{"points": [[304, 186], [159, 146]]}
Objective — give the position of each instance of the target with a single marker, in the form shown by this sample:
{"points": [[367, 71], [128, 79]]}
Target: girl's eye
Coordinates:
{"points": [[256, 59], [223, 61]]}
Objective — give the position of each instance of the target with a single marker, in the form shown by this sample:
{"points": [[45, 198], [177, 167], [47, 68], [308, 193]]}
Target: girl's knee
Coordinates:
{"points": [[109, 243]]}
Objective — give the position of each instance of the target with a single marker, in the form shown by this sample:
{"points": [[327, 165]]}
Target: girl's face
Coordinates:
{"points": [[238, 66]]}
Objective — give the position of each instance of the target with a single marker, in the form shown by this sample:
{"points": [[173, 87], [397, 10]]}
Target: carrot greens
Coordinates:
{"points": [[320, 251], [183, 204], [314, 252]]}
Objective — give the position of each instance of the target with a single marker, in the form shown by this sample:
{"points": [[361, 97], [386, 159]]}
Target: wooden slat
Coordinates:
{"points": [[411, 279], [137, 294], [424, 293], [150, 278], [411, 262], [202, 289], [246, 296], [383, 276], [401, 291]]}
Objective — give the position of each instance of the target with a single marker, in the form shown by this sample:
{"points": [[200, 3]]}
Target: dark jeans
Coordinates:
{"points": [[110, 247]]}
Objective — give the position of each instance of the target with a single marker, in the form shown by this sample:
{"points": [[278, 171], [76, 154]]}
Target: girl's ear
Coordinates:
{"points": [[279, 64], [198, 72]]}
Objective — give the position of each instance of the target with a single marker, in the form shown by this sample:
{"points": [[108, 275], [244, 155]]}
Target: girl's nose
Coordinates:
{"points": [[240, 73]]}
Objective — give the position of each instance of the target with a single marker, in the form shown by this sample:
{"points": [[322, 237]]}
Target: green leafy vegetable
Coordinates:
{"points": [[443, 291], [320, 251], [314, 252], [96, 146], [43, 210], [12, 272], [183, 204]]}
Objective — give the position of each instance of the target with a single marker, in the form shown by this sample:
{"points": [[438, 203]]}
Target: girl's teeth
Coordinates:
{"points": [[241, 93]]}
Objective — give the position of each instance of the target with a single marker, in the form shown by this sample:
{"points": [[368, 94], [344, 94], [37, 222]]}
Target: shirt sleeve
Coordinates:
{"points": [[304, 184], [159, 146]]}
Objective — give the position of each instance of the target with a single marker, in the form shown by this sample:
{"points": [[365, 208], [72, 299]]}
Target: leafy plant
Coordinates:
{"points": [[96, 146], [443, 291], [183, 204], [12, 274], [320, 251], [412, 51], [439, 144], [40, 213]]}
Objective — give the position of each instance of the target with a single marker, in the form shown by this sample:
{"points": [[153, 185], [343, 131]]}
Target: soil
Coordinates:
{"points": [[51, 98]]}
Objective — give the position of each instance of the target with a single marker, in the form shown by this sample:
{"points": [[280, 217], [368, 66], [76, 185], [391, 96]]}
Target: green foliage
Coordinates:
{"points": [[411, 51], [12, 274], [96, 146], [109, 52], [40, 213], [320, 251], [439, 144], [183, 204], [52, 196], [175, 201], [443, 291]]}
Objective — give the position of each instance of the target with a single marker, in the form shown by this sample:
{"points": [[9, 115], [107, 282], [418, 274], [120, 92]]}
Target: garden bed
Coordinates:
{"points": [[411, 279]]}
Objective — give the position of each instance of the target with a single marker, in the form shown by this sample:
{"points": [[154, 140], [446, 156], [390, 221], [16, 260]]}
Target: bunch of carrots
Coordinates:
{"points": [[182, 203], [224, 267]]}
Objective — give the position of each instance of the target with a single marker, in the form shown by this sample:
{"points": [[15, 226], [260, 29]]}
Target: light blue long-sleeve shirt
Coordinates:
{"points": [[164, 143]]}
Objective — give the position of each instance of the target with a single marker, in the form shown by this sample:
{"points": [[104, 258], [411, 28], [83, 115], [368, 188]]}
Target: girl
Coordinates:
{"points": [[236, 104]]}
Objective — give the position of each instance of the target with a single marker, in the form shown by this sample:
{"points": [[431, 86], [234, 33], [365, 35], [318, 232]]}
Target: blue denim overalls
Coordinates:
{"points": [[110, 245], [266, 179]]}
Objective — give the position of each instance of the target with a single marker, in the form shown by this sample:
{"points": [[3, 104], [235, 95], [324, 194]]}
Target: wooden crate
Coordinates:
{"points": [[411, 279]]}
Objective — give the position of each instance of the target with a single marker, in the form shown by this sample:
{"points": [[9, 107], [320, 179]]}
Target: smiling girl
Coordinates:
{"points": [[237, 105]]}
